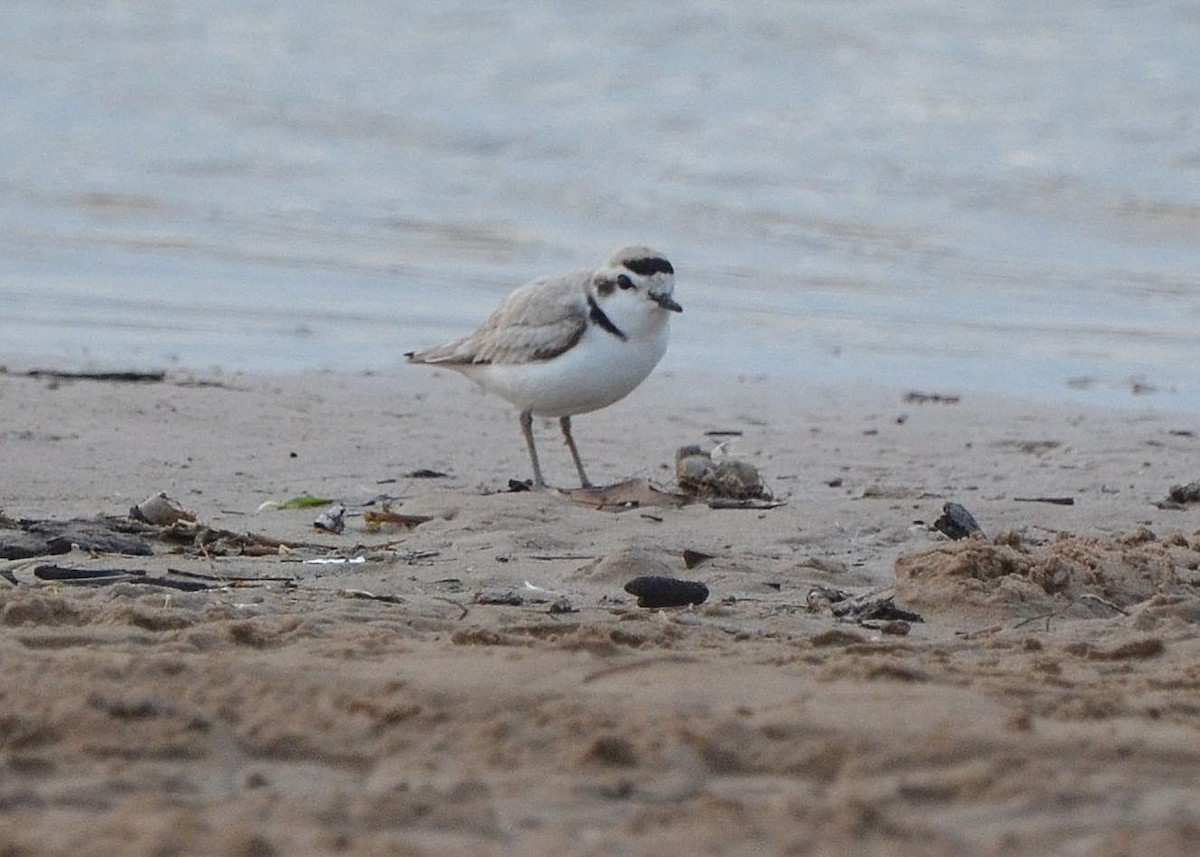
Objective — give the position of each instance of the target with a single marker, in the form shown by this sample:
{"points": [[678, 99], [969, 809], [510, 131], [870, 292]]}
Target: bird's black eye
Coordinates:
{"points": [[624, 282]]}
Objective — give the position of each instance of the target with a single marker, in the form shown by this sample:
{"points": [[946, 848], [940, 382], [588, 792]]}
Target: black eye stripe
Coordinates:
{"points": [[650, 265]]}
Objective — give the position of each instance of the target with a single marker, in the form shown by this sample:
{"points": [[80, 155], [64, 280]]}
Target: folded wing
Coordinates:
{"points": [[538, 321]]}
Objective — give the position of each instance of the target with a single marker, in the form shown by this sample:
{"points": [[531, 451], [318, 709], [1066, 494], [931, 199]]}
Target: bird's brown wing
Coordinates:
{"points": [[538, 321]]}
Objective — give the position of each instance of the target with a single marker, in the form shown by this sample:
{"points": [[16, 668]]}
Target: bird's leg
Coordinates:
{"points": [[527, 430], [565, 422]]}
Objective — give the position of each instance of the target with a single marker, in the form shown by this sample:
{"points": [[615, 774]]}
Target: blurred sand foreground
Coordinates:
{"points": [[425, 699]]}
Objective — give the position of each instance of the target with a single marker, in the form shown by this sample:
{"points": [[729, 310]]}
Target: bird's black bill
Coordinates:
{"points": [[666, 302]]}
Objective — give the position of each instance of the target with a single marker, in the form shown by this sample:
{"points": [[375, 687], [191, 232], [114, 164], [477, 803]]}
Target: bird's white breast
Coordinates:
{"points": [[597, 371]]}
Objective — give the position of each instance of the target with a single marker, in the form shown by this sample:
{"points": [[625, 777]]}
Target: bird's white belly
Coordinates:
{"points": [[597, 371]]}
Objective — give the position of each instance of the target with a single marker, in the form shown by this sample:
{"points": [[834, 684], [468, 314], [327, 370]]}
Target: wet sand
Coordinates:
{"points": [[428, 700]]}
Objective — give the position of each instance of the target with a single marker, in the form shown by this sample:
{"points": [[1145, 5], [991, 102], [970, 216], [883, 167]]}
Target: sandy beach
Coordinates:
{"points": [[477, 680]]}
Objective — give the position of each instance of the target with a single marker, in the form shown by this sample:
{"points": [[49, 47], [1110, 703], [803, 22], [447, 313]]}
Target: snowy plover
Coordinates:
{"points": [[569, 343]]}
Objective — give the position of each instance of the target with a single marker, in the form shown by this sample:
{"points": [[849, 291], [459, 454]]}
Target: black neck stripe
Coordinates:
{"points": [[601, 320], [649, 265]]}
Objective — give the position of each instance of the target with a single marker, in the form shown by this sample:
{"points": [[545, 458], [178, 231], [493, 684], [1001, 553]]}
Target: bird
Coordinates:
{"points": [[569, 343]]}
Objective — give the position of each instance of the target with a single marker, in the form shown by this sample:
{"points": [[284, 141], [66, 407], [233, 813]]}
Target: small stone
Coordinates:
{"points": [[655, 591]]}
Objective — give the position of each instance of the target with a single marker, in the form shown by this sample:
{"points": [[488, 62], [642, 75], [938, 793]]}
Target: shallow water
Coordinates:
{"points": [[942, 196]]}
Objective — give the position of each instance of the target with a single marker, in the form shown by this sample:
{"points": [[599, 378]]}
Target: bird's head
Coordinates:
{"points": [[636, 284]]}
